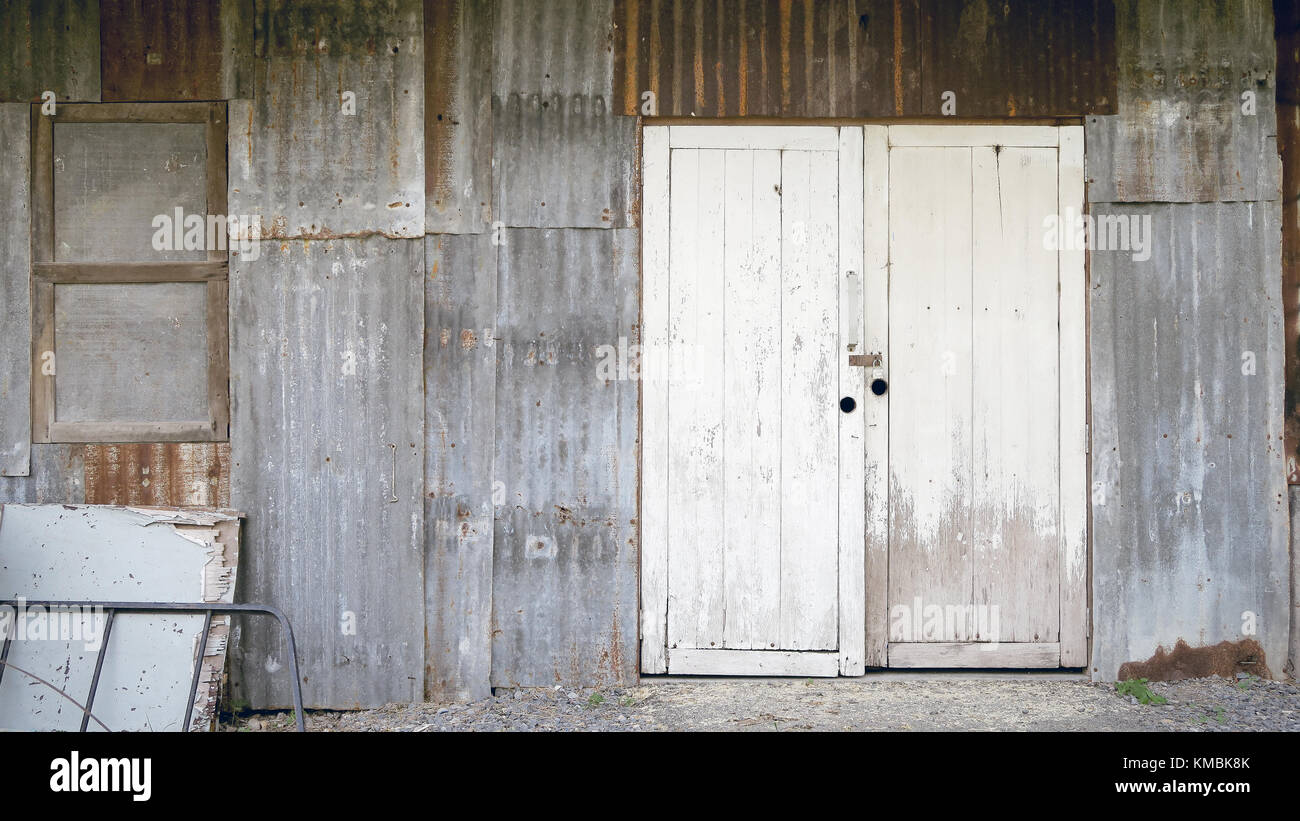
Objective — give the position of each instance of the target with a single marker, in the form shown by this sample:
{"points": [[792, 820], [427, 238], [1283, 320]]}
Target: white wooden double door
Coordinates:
{"points": [[863, 428]]}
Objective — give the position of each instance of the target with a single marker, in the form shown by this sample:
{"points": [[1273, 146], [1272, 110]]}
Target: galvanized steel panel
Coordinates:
{"points": [[302, 164], [326, 405], [1181, 134], [458, 115], [57, 477], [15, 290], [176, 49], [1189, 493], [559, 47], [49, 45], [863, 58], [564, 572], [564, 162], [460, 365]]}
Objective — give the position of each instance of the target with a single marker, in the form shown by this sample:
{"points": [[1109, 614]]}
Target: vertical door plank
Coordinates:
{"points": [[654, 400], [1074, 414], [930, 411], [752, 423], [810, 401], [695, 478], [1014, 398], [852, 537], [876, 408]]}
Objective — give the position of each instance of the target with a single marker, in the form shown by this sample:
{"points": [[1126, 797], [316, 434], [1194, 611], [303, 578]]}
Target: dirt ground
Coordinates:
{"points": [[891, 702]]}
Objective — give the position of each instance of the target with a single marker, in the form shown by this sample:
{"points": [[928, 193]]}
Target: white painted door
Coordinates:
{"points": [[980, 431], [752, 459]]}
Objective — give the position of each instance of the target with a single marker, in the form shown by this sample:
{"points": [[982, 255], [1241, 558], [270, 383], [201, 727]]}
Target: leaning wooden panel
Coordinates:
{"points": [[63, 552], [654, 401], [1074, 443]]}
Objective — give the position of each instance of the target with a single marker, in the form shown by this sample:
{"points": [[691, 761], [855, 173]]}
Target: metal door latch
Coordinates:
{"points": [[865, 360]]}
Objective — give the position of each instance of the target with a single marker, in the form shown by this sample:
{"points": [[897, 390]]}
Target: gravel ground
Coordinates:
{"points": [[881, 702]]}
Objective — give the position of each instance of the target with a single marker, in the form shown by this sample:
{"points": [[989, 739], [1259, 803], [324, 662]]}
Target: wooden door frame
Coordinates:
{"points": [[1072, 648], [873, 560], [657, 144]]}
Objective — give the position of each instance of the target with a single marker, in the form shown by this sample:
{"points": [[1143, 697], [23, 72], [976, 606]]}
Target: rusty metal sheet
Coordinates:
{"points": [[298, 159], [15, 292], [176, 49], [863, 58], [168, 474], [1288, 143], [763, 58], [1189, 496], [1181, 134], [49, 45], [1018, 58], [559, 47], [57, 477], [458, 115], [326, 405], [564, 572], [564, 162], [460, 358]]}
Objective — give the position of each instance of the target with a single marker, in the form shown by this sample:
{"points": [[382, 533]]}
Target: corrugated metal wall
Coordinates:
{"points": [[545, 593], [1189, 510], [493, 158]]}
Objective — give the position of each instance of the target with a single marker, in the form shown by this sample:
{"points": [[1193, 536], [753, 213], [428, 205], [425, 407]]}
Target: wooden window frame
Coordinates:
{"points": [[47, 273]]}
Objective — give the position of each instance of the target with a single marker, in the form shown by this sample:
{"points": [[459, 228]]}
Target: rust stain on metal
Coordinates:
{"points": [[171, 474], [1225, 659], [698, 62], [1288, 144], [167, 50], [898, 58], [864, 58]]}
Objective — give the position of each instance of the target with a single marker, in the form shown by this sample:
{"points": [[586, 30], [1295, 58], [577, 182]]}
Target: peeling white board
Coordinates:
{"points": [[103, 553]]}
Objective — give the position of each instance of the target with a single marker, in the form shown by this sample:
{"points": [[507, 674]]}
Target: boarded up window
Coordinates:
{"points": [[129, 273]]}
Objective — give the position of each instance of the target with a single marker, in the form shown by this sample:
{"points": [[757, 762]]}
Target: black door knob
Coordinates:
{"points": [[847, 404], [879, 386]]}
